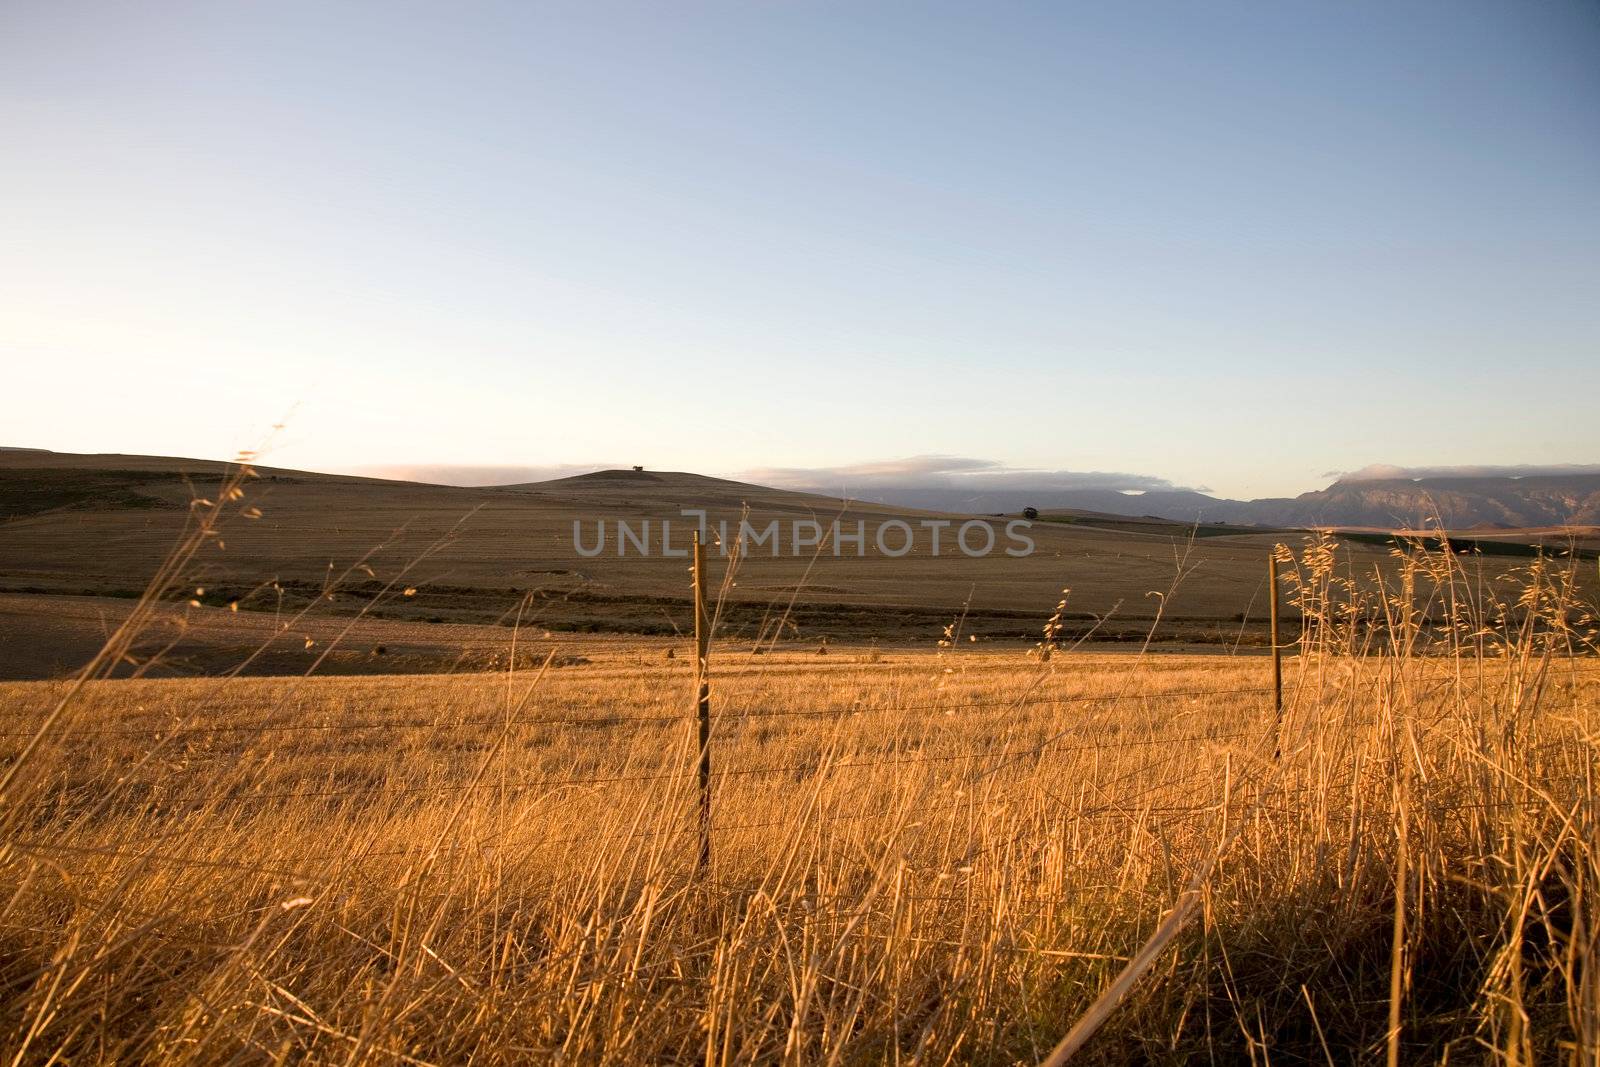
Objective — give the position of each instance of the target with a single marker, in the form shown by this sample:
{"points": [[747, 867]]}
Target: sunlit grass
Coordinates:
{"points": [[931, 857]]}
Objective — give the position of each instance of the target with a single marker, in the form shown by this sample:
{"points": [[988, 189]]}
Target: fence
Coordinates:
{"points": [[701, 753], [1255, 732], [1260, 729]]}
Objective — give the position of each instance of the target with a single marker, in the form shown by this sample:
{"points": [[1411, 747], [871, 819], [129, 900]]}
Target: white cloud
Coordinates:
{"points": [[961, 473]]}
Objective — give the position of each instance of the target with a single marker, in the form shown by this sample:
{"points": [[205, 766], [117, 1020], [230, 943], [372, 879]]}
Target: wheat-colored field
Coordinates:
{"points": [[957, 854], [943, 856]]}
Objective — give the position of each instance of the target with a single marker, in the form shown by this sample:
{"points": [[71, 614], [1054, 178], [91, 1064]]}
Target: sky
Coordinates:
{"points": [[1230, 246]]}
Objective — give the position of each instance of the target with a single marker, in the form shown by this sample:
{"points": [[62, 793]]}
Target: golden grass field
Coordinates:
{"points": [[934, 857], [952, 853]]}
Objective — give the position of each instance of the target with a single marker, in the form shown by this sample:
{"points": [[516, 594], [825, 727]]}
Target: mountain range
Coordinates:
{"points": [[1456, 503]]}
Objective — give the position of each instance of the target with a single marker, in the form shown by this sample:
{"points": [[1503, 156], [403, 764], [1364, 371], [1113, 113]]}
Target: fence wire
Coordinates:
{"points": [[1182, 746]]}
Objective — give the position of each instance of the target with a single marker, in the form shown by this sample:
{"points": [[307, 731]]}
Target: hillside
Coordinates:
{"points": [[89, 524], [95, 528]]}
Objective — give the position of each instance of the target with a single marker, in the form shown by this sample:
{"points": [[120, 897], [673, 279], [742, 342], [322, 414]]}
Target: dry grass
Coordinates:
{"points": [[931, 858]]}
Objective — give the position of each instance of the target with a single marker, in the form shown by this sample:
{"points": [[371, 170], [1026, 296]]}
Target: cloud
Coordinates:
{"points": [[468, 474], [960, 473], [1380, 472]]}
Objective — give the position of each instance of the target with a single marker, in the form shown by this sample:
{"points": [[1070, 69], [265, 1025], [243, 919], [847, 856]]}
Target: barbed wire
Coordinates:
{"points": [[816, 768], [157, 732]]}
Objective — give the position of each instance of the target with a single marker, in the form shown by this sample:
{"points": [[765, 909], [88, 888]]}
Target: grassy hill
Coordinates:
{"points": [[100, 526]]}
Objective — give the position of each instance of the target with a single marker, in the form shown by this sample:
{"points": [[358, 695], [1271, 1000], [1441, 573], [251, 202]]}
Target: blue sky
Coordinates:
{"points": [[1227, 245]]}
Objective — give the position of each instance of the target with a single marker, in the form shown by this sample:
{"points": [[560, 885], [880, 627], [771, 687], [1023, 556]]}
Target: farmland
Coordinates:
{"points": [[330, 831], [83, 535]]}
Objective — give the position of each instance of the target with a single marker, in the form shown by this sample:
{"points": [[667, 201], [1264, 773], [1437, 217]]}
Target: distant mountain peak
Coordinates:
{"points": [[1459, 499]]}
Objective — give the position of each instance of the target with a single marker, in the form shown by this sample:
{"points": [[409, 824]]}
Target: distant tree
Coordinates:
{"points": [[1030, 513]]}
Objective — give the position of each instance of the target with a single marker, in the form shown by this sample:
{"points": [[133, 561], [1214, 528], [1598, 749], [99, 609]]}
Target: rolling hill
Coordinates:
{"points": [[95, 528]]}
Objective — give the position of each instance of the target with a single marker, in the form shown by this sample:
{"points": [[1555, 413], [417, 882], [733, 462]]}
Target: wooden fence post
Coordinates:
{"points": [[1277, 655], [702, 698]]}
